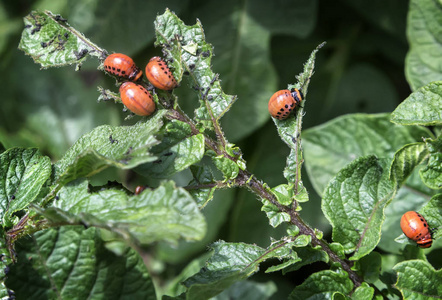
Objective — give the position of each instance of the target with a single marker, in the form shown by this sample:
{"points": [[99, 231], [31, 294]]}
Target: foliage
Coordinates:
{"points": [[73, 228]]}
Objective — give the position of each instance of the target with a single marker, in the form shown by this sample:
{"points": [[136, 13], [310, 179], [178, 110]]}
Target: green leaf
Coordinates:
{"points": [[5, 263], [370, 266], [187, 48], [423, 63], [124, 147], [23, 173], [276, 217], [406, 160], [331, 146], [354, 203], [202, 177], [51, 42], [248, 290], [166, 213], [364, 291], [72, 263], [283, 194], [432, 174], [308, 256], [228, 167], [323, 285], [433, 214], [290, 129], [231, 262], [176, 158], [423, 107], [295, 18], [417, 279]]}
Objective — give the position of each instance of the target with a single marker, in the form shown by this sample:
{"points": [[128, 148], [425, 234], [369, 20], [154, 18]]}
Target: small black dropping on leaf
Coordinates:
{"points": [[13, 197], [205, 53], [210, 98], [129, 151], [43, 44], [192, 66], [82, 53], [158, 161], [168, 154], [66, 35], [111, 140], [186, 73], [60, 18], [57, 197]]}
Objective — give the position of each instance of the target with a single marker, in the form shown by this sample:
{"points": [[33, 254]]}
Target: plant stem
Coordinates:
{"points": [[256, 186]]}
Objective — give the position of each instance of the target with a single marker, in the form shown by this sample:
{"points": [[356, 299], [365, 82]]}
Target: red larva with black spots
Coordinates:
{"points": [[159, 74], [415, 227], [283, 102], [137, 99], [123, 66]]}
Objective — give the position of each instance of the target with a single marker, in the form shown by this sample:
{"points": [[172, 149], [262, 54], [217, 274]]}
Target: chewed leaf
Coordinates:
{"points": [[189, 52], [23, 173], [51, 42], [290, 129], [166, 213], [122, 146]]}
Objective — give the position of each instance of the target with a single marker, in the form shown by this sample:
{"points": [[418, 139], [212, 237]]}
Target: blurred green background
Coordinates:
{"points": [[259, 45]]}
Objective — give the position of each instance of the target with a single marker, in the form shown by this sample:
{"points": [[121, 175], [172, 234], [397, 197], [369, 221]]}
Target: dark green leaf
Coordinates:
{"points": [[166, 213], [323, 285], [296, 18], [199, 187], [51, 42], [331, 146], [176, 158], [5, 263], [370, 266], [417, 279], [424, 59], [423, 107], [72, 263], [432, 212], [308, 256], [364, 291], [124, 147], [432, 174], [229, 263], [406, 160], [354, 203], [248, 290], [23, 172]]}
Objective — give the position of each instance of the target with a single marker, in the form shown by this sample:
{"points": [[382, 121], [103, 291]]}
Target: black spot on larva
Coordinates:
{"points": [[113, 68], [286, 106], [282, 109]]}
